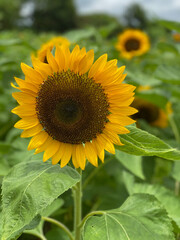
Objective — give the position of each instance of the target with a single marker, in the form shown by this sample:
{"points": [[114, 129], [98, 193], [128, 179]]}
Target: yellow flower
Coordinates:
{"points": [[132, 43], [154, 115], [72, 107], [41, 54], [176, 37]]}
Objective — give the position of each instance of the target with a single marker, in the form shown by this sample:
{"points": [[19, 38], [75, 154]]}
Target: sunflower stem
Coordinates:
{"points": [[78, 207], [60, 225], [174, 128]]}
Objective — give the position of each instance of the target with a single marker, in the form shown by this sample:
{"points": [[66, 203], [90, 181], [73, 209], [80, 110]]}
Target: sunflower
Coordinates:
{"points": [[42, 52], [176, 37], [151, 113], [73, 108], [132, 43]]}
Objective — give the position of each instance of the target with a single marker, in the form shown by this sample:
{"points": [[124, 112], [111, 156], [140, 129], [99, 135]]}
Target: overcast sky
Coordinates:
{"points": [[164, 9]]}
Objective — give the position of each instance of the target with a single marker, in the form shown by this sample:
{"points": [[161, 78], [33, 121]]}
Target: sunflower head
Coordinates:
{"points": [[132, 43], [73, 108], [42, 52], [151, 113], [176, 37]]}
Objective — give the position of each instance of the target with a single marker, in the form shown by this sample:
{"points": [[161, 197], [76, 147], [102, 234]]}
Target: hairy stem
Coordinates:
{"points": [[59, 224], [77, 191]]}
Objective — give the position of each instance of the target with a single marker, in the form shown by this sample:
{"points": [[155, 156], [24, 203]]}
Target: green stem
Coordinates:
{"points": [[177, 137], [78, 207], [89, 215], [177, 186], [59, 224], [174, 128]]}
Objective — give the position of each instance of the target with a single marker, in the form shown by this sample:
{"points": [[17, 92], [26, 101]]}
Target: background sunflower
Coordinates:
{"points": [[132, 42]]}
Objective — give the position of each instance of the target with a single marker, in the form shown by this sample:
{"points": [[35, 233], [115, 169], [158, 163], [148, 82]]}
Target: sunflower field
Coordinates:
{"points": [[90, 134]]}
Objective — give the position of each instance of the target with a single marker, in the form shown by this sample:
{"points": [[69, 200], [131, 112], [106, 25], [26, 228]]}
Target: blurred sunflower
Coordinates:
{"points": [[154, 115], [132, 43], [42, 52], [72, 107], [176, 37]]}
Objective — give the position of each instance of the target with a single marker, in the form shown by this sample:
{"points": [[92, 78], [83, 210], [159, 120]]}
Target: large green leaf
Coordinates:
{"points": [[170, 25], [168, 74], [140, 217], [131, 162], [28, 189], [139, 142], [168, 199]]}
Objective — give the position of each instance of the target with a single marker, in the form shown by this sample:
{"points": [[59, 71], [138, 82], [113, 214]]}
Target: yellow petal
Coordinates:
{"points": [[52, 62], [57, 156], [43, 68], [97, 66], [91, 154], [99, 149], [112, 136], [117, 128], [31, 131], [86, 62], [24, 98], [25, 110], [74, 56], [26, 85], [67, 54], [60, 58], [67, 148], [45, 145], [31, 73], [122, 120], [37, 140], [108, 145], [27, 122], [51, 150], [80, 156], [74, 158]]}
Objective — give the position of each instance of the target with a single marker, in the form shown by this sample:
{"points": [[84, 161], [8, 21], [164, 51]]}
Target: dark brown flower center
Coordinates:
{"points": [[146, 110], [132, 44], [72, 108]]}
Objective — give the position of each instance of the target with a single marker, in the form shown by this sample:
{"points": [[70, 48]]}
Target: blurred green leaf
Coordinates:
{"points": [[172, 25], [141, 143], [9, 42], [140, 217], [132, 163], [167, 47], [28, 189], [76, 35], [168, 74]]}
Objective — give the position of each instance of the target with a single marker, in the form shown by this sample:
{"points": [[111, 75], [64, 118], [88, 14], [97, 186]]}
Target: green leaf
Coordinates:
{"points": [[56, 233], [77, 35], [9, 42], [168, 199], [168, 74], [167, 47], [170, 25], [140, 217], [53, 207], [141, 143], [176, 171], [28, 189], [132, 163]]}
